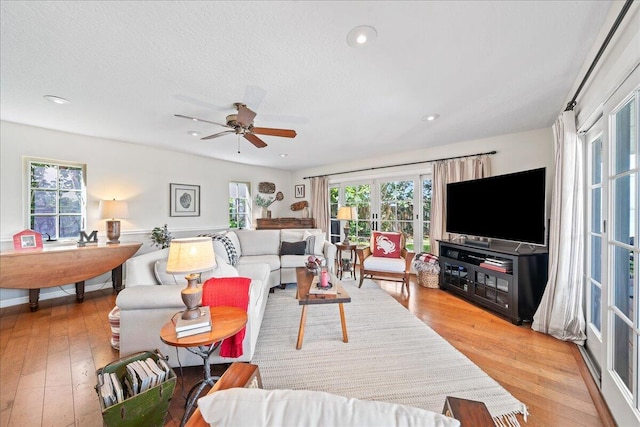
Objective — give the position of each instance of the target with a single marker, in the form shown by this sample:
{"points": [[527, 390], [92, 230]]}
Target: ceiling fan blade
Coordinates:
{"points": [[245, 115], [215, 135], [287, 133], [200, 120], [255, 140]]}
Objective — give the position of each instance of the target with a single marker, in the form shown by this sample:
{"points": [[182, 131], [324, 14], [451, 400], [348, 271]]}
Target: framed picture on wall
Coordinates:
{"points": [[184, 200], [299, 191]]}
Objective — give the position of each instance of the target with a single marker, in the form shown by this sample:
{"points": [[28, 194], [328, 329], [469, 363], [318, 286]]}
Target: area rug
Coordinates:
{"points": [[391, 356]]}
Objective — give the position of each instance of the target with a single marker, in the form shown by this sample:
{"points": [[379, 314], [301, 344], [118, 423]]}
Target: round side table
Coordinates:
{"points": [[353, 258], [225, 322]]}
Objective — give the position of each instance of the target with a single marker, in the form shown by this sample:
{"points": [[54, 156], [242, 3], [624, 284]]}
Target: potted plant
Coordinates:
{"points": [[161, 237], [264, 203]]}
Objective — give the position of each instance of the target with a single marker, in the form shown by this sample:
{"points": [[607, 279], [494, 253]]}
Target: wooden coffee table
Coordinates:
{"points": [[305, 299]]}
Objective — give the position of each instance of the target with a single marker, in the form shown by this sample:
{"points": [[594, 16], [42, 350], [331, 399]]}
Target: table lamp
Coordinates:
{"points": [[113, 209], [191, 255], [346, 213]]}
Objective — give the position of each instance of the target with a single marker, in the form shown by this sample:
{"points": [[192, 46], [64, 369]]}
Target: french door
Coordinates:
{"points": [[385, 204], [611, 285]]}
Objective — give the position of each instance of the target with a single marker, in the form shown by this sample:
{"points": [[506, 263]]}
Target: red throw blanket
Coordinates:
{"points": [[230, 292]]}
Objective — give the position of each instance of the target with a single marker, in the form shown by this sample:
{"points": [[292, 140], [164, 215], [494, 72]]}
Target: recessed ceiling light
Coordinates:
{"points": [[430, 117], [56, 100], [283, 155], [194, 133], [361, 36]]}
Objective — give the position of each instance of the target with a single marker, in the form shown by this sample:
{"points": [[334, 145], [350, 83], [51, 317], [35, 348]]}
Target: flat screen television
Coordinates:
{"points": [[506, 207]]}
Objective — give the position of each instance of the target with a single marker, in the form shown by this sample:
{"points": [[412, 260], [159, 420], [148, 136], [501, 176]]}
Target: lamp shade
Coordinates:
{"points": [[113, 209], [191, 255], [347, 213]]}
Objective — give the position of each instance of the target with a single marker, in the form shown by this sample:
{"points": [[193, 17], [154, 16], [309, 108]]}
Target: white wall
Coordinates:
{"points": [[515, 152], [138, 174], [619, 59]]}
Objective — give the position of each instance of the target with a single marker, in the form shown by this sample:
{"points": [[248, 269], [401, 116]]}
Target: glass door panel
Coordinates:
{"points": [[396, 208], [621, 322], [426, 216], [594, 255], [359, 195]]}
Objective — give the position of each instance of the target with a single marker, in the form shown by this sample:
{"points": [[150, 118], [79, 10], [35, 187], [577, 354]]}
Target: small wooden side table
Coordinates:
{"points": [[353, 258], [225, 322]]}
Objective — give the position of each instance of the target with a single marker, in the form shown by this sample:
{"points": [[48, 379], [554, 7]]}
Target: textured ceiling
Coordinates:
{"points": [[487, 67]]}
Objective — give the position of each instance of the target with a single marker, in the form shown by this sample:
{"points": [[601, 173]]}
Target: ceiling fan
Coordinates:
{"points": [[242, 124]]}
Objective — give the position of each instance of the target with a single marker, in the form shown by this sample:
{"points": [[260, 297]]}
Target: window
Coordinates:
{"points": [[57, 198], [239, 204]]}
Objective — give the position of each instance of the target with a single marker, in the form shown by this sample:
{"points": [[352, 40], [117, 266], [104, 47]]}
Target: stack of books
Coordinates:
{"points": [[185, 328], [140, 376], [495, 264]]}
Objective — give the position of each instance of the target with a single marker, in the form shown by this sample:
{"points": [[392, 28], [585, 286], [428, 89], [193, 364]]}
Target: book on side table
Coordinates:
{"points": [[189, 327]]}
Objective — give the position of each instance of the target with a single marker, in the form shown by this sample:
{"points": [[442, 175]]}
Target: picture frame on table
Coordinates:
{"points": [[27, 239], [184, 200], [299, 191]]}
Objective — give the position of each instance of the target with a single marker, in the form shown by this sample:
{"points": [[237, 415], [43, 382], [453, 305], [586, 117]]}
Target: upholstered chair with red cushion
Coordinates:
{"points": [[386, 258]]}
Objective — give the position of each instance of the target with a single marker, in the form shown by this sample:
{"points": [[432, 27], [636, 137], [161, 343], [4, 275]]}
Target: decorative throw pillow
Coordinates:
{"points": [[236, 242], [229, 247], [310, 245], [386, 244], [293, 248], [164, 278], [318, 245]]}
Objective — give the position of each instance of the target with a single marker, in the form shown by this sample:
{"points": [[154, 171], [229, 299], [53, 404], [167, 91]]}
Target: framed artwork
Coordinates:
{"points": [[299, 191], [27, 239], [184, 200]]}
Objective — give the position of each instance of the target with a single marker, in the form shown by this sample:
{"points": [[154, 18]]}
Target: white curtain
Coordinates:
{"points": [[560, 312], [320, 202], [444, 172]]}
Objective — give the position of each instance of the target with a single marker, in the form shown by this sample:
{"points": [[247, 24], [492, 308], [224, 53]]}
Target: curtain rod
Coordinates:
{"points": [[614, 27], [402, 164]]}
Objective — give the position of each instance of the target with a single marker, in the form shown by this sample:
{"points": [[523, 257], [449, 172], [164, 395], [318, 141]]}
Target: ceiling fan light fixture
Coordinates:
{"points": [[193, 133], [361, 36], [57, 100]]}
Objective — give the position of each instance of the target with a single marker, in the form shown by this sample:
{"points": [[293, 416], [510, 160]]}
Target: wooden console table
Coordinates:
{"points": [[280, 223], [34, 269]]}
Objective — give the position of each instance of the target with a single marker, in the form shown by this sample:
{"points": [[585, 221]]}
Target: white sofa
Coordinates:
{"points": [[264, 246], [145, 306], [248, 407]]}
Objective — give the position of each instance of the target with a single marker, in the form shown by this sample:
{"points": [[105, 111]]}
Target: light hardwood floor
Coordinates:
{"points": [[48, 360]]}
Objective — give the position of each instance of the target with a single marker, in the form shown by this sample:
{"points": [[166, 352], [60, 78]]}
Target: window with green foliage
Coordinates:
{"points": [[57, 198], [239, 204]]}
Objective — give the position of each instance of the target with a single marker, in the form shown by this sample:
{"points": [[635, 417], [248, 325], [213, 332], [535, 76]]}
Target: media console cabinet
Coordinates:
{"points": [[514, 294]]}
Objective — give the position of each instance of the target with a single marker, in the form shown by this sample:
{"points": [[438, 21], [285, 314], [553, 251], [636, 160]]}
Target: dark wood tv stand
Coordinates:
{"points": [[514, 294]]}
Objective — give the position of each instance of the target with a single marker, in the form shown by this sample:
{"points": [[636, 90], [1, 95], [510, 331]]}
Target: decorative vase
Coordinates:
{"points": [[305, 212], [268, 213]]}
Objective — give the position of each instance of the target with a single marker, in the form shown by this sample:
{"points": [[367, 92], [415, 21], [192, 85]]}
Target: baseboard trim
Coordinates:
{"points": [[62, 292], [592, 387]]}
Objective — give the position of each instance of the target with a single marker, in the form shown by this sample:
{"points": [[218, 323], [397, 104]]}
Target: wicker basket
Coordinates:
{"points": [[428, 280]]}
